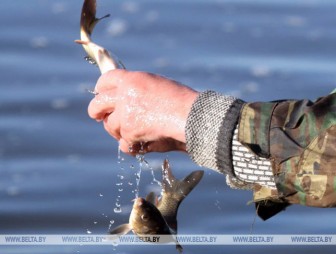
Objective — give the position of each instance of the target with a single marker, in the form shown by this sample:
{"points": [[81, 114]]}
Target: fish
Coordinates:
{"points": [[96, 54], [153, 216]]}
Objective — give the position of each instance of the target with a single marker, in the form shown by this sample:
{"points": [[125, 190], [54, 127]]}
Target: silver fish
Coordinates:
{"points": [[95, 54], [151, 216]]}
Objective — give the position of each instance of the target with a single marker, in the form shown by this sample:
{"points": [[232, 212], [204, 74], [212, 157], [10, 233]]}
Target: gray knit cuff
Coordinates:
{"points": [[209, 130]]}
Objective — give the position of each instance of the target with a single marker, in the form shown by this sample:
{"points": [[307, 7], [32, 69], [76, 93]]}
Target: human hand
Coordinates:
{"points": [[144, 112]]}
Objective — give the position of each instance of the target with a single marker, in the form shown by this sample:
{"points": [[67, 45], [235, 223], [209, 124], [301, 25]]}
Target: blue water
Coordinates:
{"points": [[59, 169]]}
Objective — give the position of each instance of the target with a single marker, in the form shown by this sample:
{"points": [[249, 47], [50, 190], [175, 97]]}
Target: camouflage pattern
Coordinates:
{"points": [[299, 137]]}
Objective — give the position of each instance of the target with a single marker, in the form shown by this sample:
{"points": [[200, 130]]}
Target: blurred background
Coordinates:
{"points": [[60, 173]]}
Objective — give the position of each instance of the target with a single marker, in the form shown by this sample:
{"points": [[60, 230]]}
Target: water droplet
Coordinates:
{"points": [[95, 222], [110, 225], [88, 231], [101, 195], [154, 179], [120, 190], [130, 183], [90, 60], [217, 204], [117, 210], [92, 92]]}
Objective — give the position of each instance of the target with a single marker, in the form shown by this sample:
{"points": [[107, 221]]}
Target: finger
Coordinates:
{"points": [[125, 147], [101, 105], [109, 80], [112, 125], [132, 148]]}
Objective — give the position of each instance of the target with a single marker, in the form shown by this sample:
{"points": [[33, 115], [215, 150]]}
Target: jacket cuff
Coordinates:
{"points": [[209, 130]]}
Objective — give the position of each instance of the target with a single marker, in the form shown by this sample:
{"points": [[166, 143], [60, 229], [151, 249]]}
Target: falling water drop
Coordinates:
{"points": [[110, 225], [117, 210]]}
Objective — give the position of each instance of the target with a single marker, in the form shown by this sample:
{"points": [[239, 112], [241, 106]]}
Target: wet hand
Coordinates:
{"points": [[142, 111]]}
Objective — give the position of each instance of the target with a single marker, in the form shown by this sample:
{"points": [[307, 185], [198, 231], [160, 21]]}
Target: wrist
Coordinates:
{"points": [[188, 98]]}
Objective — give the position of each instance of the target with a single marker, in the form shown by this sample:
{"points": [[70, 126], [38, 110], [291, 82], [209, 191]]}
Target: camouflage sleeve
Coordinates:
{"points": [[299, 138]]}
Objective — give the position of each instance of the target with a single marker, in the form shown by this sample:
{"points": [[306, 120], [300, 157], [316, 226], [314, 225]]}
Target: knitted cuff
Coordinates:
{"points": [[209, 130]]}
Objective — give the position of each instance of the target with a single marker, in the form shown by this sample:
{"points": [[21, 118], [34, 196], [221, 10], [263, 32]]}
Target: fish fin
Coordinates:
{"points": [[180, 188], [189, 182], [152, 198], [174, 191], [121, 230], [179, 247], [106, 16]]}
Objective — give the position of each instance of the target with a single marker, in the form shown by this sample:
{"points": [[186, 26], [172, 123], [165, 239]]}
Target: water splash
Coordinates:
{"points": [[90, 60], [140, 156], [217, 202], [117, 208], [120, 183], [154, 180], [137, 181], [110, 225]]}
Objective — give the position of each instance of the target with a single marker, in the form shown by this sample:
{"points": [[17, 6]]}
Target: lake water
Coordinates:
{"points": [[59, 170]]}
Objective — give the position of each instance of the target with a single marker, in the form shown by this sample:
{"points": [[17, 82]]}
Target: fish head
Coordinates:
{"points": [[146, 219]]}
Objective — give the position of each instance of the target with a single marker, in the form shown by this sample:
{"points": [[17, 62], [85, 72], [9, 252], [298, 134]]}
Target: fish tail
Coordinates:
{"points": [[88, 19], [95, 54]]}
